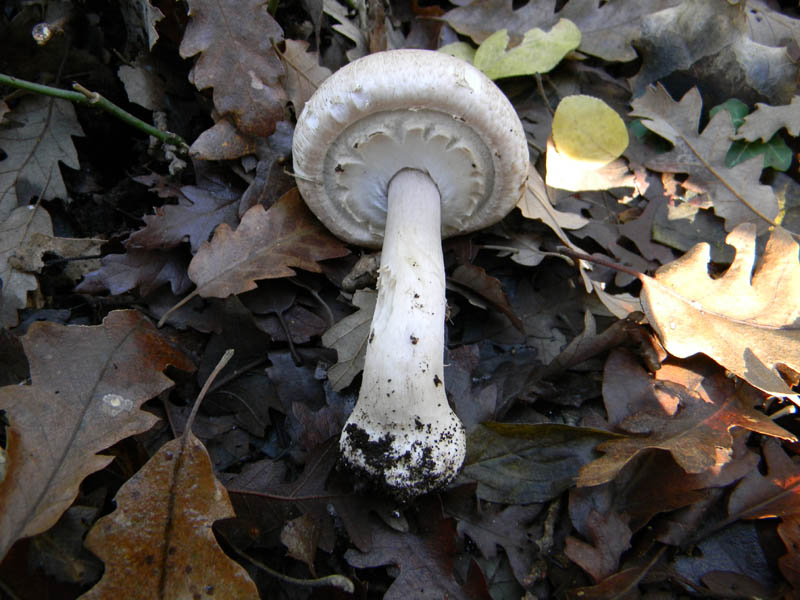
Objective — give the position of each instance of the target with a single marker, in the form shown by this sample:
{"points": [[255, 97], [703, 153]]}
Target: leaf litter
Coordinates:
{"points": [[603, 442]]}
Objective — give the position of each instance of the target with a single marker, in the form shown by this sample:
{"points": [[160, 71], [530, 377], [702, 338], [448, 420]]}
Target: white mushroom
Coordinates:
{"points": [[398, 150]]}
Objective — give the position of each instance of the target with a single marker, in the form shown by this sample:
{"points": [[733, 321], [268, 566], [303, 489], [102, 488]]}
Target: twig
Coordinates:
{"points": [[83, 96]]}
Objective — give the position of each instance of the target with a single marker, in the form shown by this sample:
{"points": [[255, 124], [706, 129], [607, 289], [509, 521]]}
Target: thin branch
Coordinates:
{"points": [[88, 98]]}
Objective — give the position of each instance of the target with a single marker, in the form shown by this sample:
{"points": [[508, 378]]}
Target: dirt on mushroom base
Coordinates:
{"points": [[379, 457]]}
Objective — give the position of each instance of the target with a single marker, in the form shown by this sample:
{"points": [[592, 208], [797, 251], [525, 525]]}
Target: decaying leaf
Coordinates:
{"points": [[425, 560], [87, 386], [349, 338], [520, 464], [736, 193], [240, 64], [35, 137], [267, 244], [158, 543], [15, 231], [144, 269], [198, 212], [748, 320], [610, 537], [538, 52]]}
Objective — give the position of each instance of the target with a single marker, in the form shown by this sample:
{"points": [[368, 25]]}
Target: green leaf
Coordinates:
{"points": [[736, 109], [461, 50], [539, 52], [776, 153], [521, 464]]}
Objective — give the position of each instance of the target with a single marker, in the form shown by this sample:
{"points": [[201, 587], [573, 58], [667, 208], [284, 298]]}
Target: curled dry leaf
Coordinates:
{"points": [[87, 386], [158, 543], [748, 320]]}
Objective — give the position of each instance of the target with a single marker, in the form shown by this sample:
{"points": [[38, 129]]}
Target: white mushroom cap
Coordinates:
{"points": [[408, 109]]}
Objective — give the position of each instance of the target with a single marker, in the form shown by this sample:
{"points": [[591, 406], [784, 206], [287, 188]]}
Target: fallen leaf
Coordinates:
{"points": [[240, 64], [607, 30], [349, 338], [29, 255], [766, 120], [87, 386], [303, 73], [538, 52], [15, 230], [142, 85], [746, 319], [425, 560], [301, 537], [60, 551], [171, 552], [40, 138], [140, 19], [736, 193], [789, 563], [774, 494], [493, 526], [489, 288], [266, 245], [610, 536], [714, 43], [348, 28], [198, 212], [147, 270], [588, 131], [697, 434], [521, 464]]}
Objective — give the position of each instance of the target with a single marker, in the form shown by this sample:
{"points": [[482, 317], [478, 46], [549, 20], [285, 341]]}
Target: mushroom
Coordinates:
{"points": [[398, 150]]}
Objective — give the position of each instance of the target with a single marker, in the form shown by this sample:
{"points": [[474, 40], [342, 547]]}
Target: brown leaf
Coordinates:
{"points": [[766, 120], [487, 287], [301, 537], [748, 320], [87, 386], [736, 193], [697, 435], [33, 150], [15, 231], [147, 270], [239, 63], [776, 494], [195, 217], [349, 338], [789, 563], [158, 543], [265, 245], [425, 560], [610, 537], [303, 73]]}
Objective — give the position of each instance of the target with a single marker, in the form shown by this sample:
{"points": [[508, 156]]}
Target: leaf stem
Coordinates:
{"points": [[83, 96]]}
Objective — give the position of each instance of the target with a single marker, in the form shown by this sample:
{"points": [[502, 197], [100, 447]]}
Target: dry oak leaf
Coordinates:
{"points": [[747, 320], [766, 120], [349, 338], [266, 245], [775, 494], [303, 73], [158, 543], [736, 193], [697, 434], [87, 384], [237, 58], [34, 138]]}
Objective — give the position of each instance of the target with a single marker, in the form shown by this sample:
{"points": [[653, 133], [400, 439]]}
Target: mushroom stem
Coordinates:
{"points": [[402, 433]]}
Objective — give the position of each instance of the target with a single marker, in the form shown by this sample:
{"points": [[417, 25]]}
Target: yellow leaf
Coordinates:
{"points": [[539, 52], [587, 130]]}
